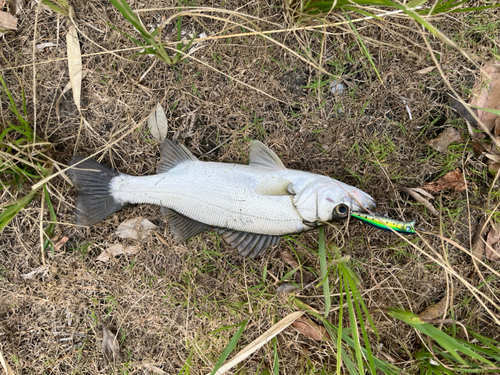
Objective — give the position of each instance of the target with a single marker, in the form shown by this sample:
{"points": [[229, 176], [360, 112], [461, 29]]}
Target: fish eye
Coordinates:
{"points": [[340, 211]]}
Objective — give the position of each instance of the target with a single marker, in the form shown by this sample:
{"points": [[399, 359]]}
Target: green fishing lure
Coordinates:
{"points": [[384, 223]]}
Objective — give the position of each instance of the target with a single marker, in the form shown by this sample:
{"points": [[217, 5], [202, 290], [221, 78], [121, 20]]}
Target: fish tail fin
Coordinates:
{"points": [[94, 198]]}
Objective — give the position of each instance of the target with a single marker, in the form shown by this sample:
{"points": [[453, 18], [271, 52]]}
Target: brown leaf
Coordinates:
{"points": [[110, 346], [60, 242], [494, 168], [492, 250], [287, 258], [310, 329], [138, 228], [434, 311], [426, 70], [415, 194], [478, 242], [446, 138], [74, 64], [7, 21], [487, 93], [307, 276], [116, 250], [451, 180], [16, 6]]}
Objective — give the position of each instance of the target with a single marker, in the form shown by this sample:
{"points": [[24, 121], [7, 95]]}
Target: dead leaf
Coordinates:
{"points": [[451, 180], [286, 288], [158, 124], [434, 311], [74, 64], [494, 168], [463, 111], [154, 369], [446, 138], [307, 277], [7, 22], [5, 365], [2, 3], [478, 243], [487, 93], [116, 250], [138, 228], [310, 329], [414, 192], [492, 250], [16, 6], [37, 271], [426, 70], [110, 346], [59, 243]]}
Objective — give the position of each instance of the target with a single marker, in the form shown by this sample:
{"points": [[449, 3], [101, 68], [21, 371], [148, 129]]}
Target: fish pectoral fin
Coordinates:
{"points": [[173, 154], [274, 185], [181, 226], [263, 157], [249, 244]]}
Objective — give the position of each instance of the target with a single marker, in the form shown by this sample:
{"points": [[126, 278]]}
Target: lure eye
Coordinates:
{"points": [[408, 228], [340, 212]]}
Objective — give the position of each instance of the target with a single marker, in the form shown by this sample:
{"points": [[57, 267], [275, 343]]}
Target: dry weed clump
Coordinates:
{"points": [[168, 300]]}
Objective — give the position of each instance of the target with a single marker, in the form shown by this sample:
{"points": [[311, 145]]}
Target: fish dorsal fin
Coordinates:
{"points": [[249, 244], [263, 157], [173, 154], [181, 226]]}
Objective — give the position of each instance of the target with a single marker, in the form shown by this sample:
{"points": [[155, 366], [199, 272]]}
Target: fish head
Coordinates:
{"points": [[326, 199]]}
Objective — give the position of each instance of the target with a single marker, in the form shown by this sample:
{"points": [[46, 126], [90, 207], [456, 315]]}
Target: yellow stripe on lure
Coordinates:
{"points": [[385, 223]]}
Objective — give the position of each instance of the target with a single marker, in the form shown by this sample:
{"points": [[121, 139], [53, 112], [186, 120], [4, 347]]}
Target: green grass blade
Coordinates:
{"points": [[354, 324], [324, 270], [339, 336], [230, 347], [12, 210], [356, 298], [452, 345], [365, 50], [276, 365]]}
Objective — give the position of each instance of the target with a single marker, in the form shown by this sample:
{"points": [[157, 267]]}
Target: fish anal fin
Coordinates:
{"points": [[173, 154], [181, 226], [249, 244], [273, 185], [263, 157]]}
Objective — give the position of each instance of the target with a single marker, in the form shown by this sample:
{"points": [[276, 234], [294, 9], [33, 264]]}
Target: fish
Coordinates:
{"points": [[385, 223], [252, 206]]}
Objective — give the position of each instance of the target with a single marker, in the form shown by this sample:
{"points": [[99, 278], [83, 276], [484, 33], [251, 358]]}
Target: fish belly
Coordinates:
{"points": [[217, 194]]}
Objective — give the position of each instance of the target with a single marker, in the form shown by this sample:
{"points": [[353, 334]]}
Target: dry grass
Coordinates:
{"points": [[170, 299]]}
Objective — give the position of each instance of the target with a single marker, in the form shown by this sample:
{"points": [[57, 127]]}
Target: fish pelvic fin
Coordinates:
{"points": [[94, 198], [173, 154], [182, 227]]}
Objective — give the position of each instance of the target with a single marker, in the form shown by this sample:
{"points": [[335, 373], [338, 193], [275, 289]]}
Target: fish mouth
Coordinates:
{"points": [[359, 201]]}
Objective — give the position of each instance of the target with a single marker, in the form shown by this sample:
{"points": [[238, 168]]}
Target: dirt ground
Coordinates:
{"points": [[170, 302]]}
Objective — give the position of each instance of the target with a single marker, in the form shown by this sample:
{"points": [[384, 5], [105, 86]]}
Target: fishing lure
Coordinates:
{"points": [[385, 223]]}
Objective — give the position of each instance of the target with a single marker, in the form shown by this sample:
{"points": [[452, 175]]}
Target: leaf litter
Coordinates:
{"points": [[451, 180], [158, 124], [138, 228], [110, 346], [310, 329], [487, 93], [301, 276], [418, 194], [446, 138], [115, 250], [75, 65]]}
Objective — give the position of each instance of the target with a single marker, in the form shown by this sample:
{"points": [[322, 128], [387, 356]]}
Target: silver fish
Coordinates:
{"points": [[251, 205]]}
